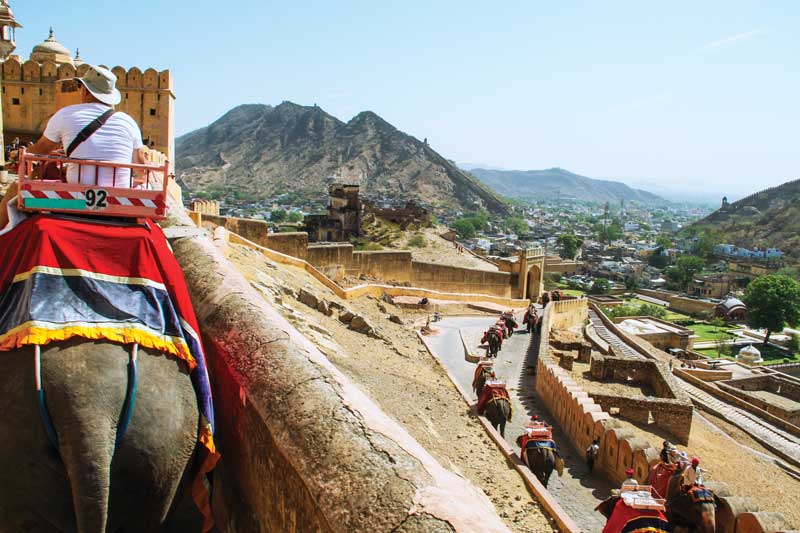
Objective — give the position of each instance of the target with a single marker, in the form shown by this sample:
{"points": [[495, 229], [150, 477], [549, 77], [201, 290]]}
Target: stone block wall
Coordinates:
{"points": [[392, 266], [672, 416], [455, 279], [743, 388], [276, 395]]}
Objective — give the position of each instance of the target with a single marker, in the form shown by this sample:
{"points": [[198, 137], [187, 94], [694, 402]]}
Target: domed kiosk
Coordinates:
{"points": [[51, 50], [749, 354]]}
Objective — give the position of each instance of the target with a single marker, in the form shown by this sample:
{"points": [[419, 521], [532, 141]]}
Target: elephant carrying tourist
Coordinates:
{"points": [[693, 507], [510, 322], [495, 404], [622, 519], [541, 460], [482, 373], [86, 485]]}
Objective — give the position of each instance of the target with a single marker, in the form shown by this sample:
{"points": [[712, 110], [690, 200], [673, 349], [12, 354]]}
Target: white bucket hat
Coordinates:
{"points": [[102, 83]]}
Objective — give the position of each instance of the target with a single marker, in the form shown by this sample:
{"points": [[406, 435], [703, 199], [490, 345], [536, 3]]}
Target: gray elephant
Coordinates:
{"points": [[498, 412], [87, 486], [541, 461], [695, 509]]}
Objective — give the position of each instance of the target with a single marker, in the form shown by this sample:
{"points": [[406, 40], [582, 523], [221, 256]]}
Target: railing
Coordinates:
{"points": [[64, 185]]}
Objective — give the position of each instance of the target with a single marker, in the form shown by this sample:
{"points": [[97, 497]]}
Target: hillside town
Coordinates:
{"points": [[284, 321]]}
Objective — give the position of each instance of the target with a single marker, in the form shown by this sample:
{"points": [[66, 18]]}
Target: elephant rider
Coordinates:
{"points": [[665, 455], [630, 480], [117, 140], [693, 475]]}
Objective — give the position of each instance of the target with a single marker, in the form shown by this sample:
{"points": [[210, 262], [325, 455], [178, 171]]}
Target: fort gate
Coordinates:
{"points": [[531, 273]]}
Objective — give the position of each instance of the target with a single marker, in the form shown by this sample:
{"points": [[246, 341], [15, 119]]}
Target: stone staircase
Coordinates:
{"points": [[781, 442], [617, 344]]}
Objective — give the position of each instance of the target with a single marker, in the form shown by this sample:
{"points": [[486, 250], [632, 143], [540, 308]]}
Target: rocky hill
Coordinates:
{"points": [[557, 182], [264, 150], [769, 218]]}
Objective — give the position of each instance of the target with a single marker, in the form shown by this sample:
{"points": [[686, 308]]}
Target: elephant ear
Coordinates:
{"points": [[606, 507]]}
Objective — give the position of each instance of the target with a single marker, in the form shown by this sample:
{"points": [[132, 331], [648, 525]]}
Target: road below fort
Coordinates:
{"points": [[577, 491]]}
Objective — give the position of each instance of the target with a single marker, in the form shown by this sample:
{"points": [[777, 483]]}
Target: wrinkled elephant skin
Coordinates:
{"points": [[80, 488]]}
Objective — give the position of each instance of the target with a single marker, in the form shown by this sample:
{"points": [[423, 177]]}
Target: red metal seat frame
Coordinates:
{"points": [[56, 196]]}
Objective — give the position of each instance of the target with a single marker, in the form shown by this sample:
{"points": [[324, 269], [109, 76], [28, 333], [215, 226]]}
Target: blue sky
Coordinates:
{"points": [[680, 95]]}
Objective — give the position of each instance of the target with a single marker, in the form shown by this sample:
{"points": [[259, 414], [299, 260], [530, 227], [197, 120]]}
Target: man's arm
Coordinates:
{"points": [[44, 146], [140, 156]]}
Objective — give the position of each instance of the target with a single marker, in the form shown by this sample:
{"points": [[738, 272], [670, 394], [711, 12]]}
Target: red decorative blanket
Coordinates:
{"points": [[626, 519], [63, 277]]}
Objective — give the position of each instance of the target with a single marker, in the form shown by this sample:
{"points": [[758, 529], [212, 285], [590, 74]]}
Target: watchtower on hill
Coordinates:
{"points": [[32, 92]]}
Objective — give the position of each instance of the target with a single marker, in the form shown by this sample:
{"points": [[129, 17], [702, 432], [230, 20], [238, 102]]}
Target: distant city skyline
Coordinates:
{"points": [[684, 96]]}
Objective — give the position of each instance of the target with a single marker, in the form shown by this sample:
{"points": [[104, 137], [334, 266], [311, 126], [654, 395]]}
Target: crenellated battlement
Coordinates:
{"points": [[16, 70]]}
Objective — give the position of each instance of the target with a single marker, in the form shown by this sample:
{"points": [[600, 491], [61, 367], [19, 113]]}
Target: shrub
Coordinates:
{"points": [[417, 241]]}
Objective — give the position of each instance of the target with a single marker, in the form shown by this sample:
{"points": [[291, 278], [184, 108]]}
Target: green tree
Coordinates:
{"points": [[517, 225], [772, 302], [631, 283], [570, 244], [464, 228], [657, 260], [794, 343], [278, 215], [295, 216], [663, 241], [687, 266], [600, 286], [792, 272], [705, 243]]}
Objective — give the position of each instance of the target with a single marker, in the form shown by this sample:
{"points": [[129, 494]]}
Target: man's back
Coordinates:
{"points": [[114, 142]]}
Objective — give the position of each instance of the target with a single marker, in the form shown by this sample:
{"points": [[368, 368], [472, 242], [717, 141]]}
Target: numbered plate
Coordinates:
{"points": [[96, 199]]}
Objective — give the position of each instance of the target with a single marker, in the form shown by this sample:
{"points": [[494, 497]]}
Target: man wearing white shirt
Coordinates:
{"points": [[118, 140]]}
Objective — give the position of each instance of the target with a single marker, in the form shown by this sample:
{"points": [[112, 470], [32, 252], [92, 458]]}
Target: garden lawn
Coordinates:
{"points": [[771, 355], [707, 332]]}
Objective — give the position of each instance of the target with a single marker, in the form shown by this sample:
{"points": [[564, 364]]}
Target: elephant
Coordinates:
{"points": [[87, 486], [494, 344], [498, 412], [647, 520], [541, 461], [483, 375], [530, 320], [684, 510], [511, 324]]}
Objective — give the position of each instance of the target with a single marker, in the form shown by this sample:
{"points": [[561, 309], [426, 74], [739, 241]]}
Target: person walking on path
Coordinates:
{"points": [[591, 454]]}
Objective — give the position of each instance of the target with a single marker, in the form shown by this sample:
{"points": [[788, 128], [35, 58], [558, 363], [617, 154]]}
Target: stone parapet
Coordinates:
{"points": [[280, 402]]}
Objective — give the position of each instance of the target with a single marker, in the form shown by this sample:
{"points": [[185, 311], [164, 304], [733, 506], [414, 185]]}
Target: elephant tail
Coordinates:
{"points": [[86, 432]]}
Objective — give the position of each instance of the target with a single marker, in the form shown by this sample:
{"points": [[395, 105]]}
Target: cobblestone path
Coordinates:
{"points": [[577, 491]]}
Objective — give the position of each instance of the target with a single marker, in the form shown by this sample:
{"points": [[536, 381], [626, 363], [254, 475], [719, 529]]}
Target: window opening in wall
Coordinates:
{"points": [[23, 90], [15, 101], [152, 112], [41, 92]]}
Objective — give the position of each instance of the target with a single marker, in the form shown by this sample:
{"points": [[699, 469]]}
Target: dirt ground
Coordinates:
{"points": [[402, 378], [583, 377], [442, 252]]}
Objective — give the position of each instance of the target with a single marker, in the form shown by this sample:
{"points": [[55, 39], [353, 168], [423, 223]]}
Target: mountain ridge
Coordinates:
{"points": [[263, 150], [547, 183], [769, 218]]}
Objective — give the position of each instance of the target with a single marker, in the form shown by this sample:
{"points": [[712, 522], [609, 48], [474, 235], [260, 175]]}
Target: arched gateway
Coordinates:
{"points": [[531, 274]]}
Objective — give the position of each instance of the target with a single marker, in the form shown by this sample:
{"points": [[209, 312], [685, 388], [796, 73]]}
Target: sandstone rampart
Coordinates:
{"points": [[280, 402]]}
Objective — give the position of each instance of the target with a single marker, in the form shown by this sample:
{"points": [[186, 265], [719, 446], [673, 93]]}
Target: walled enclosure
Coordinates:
{"points": [[341, 259], [670, 336], [583, 420], [680, 304], [777, 385], [279, 400]]}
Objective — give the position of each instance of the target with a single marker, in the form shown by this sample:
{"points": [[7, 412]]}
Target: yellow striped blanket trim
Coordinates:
{"points": [[32, 332], [77, 272], [199, 491]]}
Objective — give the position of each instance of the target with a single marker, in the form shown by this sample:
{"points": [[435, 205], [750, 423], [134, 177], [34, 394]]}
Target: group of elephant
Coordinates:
{"points": [[692, 508], [540, 460]]}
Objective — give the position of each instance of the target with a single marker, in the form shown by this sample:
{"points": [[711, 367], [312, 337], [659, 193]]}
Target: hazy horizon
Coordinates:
{"points": [[685, 96]]}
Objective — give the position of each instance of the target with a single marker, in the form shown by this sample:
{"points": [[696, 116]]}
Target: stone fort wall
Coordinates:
{"points": [[31, 96]]}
